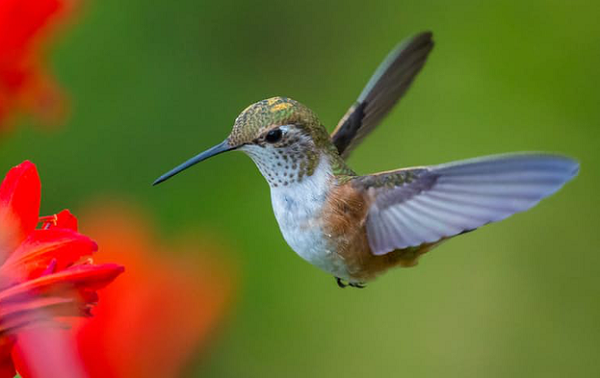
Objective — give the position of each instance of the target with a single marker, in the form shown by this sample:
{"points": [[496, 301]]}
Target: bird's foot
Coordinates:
{"points": [[358, 285], [343, 284]]}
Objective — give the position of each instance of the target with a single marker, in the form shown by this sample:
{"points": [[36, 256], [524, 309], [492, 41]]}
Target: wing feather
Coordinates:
{"points": [[388, 84], [426, 205]]}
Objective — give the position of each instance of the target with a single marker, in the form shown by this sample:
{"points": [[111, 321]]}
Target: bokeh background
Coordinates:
{"points": [[152, 84]]}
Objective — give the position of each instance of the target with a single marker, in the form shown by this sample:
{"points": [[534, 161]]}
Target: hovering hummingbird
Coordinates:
{"points": [[356, 227]]}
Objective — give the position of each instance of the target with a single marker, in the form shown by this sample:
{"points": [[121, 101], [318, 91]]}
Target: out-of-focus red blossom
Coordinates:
{"points": [[46, 273], [153, 320], [25, 85]]}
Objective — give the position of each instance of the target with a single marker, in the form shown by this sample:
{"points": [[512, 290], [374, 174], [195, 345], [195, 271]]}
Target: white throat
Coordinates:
{"points": [[298, 207], [302, 200]]}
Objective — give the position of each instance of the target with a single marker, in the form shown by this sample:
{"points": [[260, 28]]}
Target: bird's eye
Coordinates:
{"points": [[274, 136]]}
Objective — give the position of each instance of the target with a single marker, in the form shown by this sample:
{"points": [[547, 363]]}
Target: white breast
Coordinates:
{"points": [[297, 208]]}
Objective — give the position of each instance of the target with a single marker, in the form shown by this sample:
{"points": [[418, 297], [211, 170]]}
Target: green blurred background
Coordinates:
{"points": [[152, 84]]}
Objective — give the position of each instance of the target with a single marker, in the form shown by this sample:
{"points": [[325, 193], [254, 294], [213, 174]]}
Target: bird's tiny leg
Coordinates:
{"points": [[340, 282], [358, 285]]}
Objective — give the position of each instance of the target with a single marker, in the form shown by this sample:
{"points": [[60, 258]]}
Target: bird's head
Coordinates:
{"points": [[283, 137]]}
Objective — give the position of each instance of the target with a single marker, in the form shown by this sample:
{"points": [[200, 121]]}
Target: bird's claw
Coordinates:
{"points": [[358, 285], [342, 284]]}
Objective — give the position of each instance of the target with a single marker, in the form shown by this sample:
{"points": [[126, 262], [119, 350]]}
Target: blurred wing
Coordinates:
{"points": [[389, 82], [423, 205]]}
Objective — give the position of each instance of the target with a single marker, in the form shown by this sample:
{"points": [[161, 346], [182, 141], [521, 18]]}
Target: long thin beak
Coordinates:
{"points": [[219, 148]]}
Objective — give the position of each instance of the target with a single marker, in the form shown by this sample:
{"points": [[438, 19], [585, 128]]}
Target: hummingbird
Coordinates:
{"points": [[355, 227]]}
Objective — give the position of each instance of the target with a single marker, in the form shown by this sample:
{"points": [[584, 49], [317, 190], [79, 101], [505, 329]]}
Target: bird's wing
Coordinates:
{"points": [[389, 82], [413, 206]]}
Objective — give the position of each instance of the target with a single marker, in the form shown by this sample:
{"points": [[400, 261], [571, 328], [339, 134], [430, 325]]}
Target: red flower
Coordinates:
{"points": [[44, 273], [152, 320], [25, 86]]}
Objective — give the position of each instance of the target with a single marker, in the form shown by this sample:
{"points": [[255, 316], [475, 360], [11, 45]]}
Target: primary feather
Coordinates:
{"points": [[411, 207], [388, 84]]}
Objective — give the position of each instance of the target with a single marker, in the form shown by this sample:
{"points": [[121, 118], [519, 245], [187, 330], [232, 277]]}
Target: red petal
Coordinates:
{"points": [[19, 206], [22, 19], [65, 219], [38, 309], [7, 368], [34, 255], [80, 277], [35, 303], [24, 84], [47, 351]]}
